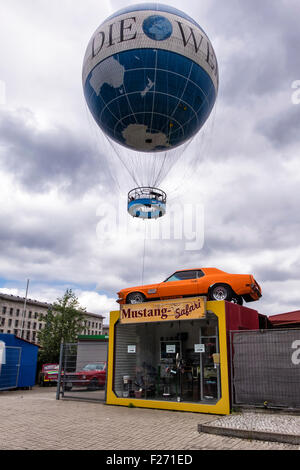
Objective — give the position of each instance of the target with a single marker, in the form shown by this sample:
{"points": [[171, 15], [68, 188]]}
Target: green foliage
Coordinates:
{"points": [[63, 323]]}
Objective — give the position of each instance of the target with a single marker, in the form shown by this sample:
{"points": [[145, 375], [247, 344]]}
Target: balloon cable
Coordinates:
{"points": [[144, 255]]}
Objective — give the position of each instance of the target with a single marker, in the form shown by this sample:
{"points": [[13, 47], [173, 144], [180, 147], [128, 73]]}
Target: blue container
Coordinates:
{"points": [[19, 365]]}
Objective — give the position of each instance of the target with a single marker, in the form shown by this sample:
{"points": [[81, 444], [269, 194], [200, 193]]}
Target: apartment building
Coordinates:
{"points": [[27, 324]]}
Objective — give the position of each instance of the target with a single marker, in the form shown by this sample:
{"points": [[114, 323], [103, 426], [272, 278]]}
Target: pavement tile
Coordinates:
{"points": [[34, 420]]}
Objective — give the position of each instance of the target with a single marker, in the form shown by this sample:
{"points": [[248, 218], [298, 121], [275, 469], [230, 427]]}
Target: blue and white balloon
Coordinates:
{"points": [[150, 77]]}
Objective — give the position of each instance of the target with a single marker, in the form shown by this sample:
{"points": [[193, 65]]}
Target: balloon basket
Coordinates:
{"points": [[147, 203]]}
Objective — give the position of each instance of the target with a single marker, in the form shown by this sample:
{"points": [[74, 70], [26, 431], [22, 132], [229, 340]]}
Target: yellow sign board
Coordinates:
{"points": [[166, 310]]}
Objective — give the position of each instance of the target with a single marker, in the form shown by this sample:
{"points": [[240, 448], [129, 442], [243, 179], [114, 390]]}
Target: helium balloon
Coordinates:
{"points": [[150, 77]]}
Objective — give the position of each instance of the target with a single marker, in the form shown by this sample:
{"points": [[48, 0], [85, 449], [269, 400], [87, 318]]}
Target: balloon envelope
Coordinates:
{"points": [[150, 77]]}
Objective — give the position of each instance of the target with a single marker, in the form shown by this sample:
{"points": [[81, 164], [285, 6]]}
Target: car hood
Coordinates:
{"points": [[87, 372], [139, 288]]}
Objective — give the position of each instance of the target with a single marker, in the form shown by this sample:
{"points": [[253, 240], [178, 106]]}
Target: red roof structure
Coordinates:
{"points": [[290, 318]]}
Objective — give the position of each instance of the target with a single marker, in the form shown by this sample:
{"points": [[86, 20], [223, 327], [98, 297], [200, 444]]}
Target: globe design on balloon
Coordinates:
{"points": [[150, 77], [157, 27]]}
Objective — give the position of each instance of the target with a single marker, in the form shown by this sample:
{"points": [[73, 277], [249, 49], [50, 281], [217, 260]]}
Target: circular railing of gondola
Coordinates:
{"points": [[147, 202]]}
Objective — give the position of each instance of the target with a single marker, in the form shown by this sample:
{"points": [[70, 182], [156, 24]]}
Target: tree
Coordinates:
{"points": [[63, 323]]}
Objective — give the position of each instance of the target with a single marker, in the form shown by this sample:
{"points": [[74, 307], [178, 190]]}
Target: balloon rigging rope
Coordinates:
{"points": [[144, 255]]}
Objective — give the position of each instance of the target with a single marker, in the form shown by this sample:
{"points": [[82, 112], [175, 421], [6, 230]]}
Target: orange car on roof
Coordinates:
{"points": [[211, 282]]}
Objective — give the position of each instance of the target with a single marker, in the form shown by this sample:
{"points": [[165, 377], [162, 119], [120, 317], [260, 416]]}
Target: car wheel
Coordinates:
{"points": [[135, 298], [220, 292], [237, 299], [93, 385]]}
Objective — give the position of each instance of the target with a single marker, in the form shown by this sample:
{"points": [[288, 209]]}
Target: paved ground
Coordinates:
{"points": [[34, 420]]}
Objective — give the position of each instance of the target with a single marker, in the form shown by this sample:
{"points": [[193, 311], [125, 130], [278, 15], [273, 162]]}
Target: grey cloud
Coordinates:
{"points": [[282, 129], [254, 211], [41, 159], [268, 60]]}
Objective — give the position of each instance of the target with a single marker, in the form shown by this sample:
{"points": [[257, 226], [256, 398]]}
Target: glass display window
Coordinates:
{"points": [[168, 361]]}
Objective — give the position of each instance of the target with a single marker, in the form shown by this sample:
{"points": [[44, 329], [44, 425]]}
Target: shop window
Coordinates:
{"points": [[170, 361]]}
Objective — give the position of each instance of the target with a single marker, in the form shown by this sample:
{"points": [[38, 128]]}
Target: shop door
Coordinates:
{"points": [[210, 388], [9, 369]]}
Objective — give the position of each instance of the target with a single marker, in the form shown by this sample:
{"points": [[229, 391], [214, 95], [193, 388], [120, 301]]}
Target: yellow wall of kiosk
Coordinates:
{"points": [[222, 407]]}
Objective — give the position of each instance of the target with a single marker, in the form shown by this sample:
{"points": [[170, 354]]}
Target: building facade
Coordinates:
{"points": [[27, 323]]}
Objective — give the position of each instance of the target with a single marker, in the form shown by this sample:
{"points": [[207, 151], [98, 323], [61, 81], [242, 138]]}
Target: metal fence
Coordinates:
{"points": [[82, 372], [9, 370], [265, 368]]}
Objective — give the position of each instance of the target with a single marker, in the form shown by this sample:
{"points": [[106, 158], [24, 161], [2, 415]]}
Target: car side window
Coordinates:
{"points": [[182, 276], [200, 273]]}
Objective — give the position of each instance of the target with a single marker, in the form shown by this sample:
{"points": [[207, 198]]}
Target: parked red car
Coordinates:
{"points": [[92, 376], [49, 374]]}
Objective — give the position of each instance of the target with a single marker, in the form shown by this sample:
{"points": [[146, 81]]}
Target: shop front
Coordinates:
{"points": [[169, 355]]}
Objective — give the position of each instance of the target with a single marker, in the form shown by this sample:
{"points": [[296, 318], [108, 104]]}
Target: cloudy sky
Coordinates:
{"points": [[234, 195]]}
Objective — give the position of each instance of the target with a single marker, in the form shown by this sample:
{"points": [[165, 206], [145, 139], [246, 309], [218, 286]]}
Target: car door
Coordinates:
{"points": [[181, 283]]}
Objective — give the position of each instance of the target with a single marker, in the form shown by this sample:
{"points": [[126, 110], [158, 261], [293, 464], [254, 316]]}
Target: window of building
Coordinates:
{"points": [[15, 332], [9, 322], [28, 324], [36, 315], [16, 322], [11, 311], [40, 326], [34, 325], [17, 312], [2, 321], [33, 335], [29, 314], [28, 335], [4, 310]]}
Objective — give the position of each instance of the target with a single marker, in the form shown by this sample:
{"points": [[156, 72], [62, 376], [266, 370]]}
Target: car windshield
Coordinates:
{"points": [[96, 366], [51, 367]]}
